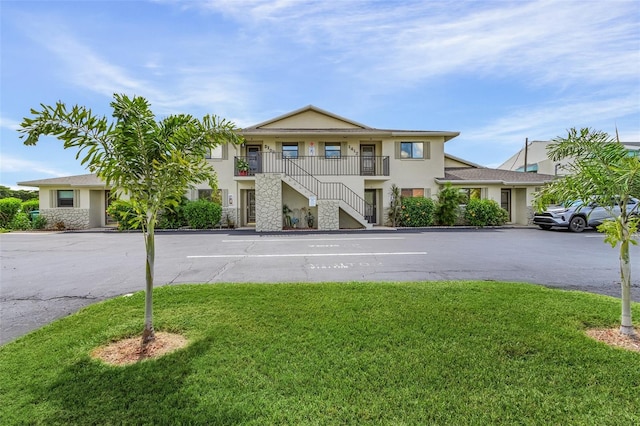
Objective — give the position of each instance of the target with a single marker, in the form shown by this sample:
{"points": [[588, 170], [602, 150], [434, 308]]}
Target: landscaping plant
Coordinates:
{"points": [[484, 213], [202, 214], [417, 211], [601, 171], [152, 162], [9, 207], [448, 205]]}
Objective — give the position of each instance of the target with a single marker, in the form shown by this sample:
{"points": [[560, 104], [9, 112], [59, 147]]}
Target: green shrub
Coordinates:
{"points": [[39, 222], [124, 212], [485, 213], [8, 209], [202, 214], [174, 218], [30, 205], [417, 211], [20, 222], [448, 206]]}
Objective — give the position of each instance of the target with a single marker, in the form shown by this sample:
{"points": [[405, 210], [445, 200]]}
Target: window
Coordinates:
{"points": [[64, 198], [467, 194], [216, 153], [289, 150], [412, 192], [332, 150], [411, 150], [205, 194]]}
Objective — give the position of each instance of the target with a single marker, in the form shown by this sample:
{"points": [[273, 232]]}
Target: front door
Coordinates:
{"points": [[505, 201], [371, 211], [253, 157], [367, 160], [251, 206]]}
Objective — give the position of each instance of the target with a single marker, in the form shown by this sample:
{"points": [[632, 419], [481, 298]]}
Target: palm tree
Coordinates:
{"points": [[601, 170], [151, 162]]}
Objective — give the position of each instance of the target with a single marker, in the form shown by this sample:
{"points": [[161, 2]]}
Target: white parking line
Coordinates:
{"points": [[285, 240], [218, 256]]}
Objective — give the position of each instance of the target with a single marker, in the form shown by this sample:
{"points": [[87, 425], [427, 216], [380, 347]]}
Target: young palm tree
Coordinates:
{"points": [[601, 170], [151, 162]]}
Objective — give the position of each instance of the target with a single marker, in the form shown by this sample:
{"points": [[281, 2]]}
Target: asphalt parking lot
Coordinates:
{"points": [[48, 275]]}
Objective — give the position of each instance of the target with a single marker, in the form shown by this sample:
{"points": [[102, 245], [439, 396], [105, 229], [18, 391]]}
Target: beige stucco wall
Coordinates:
{"points": [[405, 173], [88, 210], [310, 119]]}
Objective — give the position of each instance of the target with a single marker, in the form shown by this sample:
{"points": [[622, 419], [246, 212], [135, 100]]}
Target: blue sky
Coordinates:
{"points": [[498, 72]]}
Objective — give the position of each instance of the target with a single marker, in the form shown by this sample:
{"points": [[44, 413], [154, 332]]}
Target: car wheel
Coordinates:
{"points": [[577, 224], [545, 227]]}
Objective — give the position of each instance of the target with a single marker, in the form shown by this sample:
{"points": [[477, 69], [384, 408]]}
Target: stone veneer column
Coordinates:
{"points": [[328, 215], [268, 202]]}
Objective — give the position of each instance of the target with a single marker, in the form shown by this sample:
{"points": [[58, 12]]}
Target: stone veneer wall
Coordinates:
{"points": [[232, 214], [268, 202], [530, 212], [328, 215], [71, 217]]}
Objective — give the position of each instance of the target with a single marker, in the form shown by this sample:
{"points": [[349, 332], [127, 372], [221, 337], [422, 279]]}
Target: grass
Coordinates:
{"points": [[357, 353]]}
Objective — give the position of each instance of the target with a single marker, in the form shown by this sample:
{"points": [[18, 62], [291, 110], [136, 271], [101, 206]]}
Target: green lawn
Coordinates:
{"points": [[357, 353]]}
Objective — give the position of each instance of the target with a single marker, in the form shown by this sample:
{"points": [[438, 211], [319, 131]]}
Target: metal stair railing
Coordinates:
{"points": [[327, 190]]}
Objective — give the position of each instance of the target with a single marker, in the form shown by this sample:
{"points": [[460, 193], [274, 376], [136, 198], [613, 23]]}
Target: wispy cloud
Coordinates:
{"points": [[542, 122], [8, 123], [168, 86], [379, 47], [10, 164], [564, 42]]}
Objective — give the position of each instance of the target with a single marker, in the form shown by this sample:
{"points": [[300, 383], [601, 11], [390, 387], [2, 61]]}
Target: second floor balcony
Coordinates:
{"points": [[283, 162]]}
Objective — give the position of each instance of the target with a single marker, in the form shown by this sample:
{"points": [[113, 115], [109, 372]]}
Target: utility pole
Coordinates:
{"points": [[526, 149]]}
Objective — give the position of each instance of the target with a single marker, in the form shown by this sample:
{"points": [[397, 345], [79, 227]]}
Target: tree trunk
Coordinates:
{"points": [[626, 327], [148, 335]]}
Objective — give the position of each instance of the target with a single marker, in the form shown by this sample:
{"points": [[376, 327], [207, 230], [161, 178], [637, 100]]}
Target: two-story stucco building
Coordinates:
{"points": [[313, 168]]}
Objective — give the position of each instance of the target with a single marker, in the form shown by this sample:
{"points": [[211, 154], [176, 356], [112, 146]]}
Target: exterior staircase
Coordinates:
{"points": [[308, 185]]}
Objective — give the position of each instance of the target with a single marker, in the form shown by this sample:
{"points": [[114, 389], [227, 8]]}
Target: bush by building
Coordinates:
{"points": [[417, 211], [485, 213]]}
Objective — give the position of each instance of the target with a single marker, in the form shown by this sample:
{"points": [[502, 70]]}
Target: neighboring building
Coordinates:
{"points": [[75, 202], [538, 160], [313, 163]]}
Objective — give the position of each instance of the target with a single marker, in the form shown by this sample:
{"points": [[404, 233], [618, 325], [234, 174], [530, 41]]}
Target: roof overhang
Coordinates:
{"points": [[79, 181], [409, 133], [458, 182]]}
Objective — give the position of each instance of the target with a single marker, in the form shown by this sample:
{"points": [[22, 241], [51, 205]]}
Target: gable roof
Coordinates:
{"points": [[70, 181], [483, 175], [286, 121], [311, 120], [462, 161]]}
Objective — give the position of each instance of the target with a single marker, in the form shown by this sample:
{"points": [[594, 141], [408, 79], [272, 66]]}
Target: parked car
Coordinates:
{"points": [[578, 215]]}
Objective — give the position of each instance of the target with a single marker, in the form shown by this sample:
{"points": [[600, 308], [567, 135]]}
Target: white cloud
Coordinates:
{"points": [[553, 119], [564, 42], [10, 164], [7, 123], [168, 86], [378, 47]]}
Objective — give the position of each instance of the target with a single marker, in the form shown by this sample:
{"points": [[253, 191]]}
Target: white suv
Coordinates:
{"points": [[578, 215]]}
